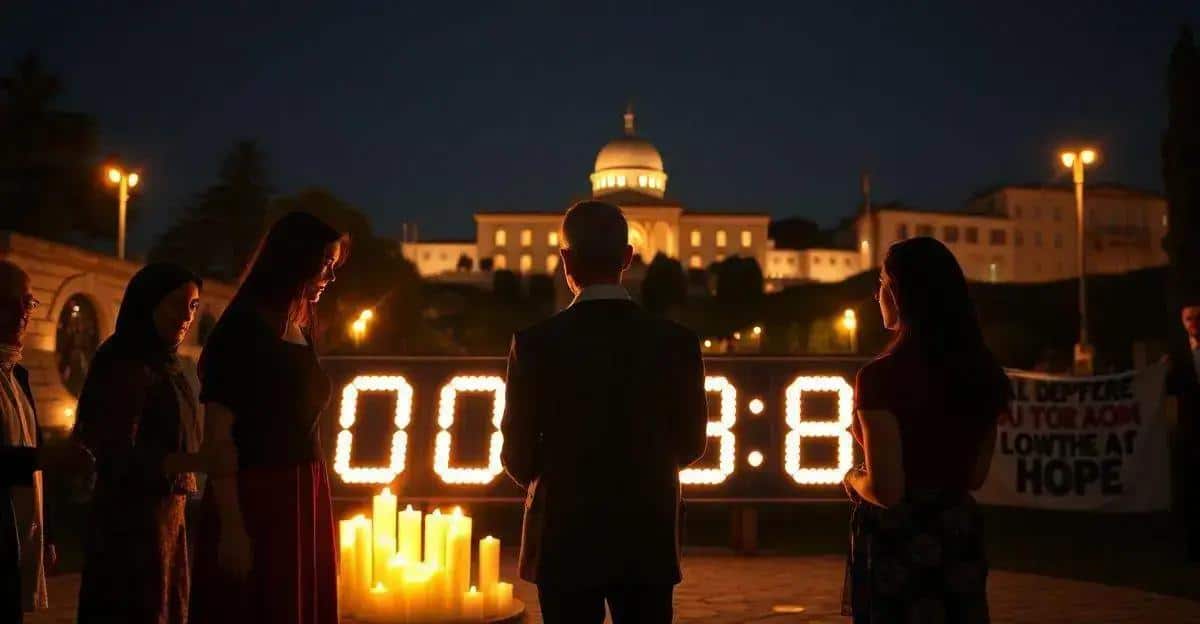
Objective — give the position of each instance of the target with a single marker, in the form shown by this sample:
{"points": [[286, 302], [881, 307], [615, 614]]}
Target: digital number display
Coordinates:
{"points": [[777, 427]]}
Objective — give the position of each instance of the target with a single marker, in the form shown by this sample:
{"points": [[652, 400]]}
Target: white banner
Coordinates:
{"points": [[1083, 443]]}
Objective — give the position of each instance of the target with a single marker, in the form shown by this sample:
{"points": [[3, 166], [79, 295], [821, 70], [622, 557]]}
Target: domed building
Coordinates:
{"points": [[629, 172]]}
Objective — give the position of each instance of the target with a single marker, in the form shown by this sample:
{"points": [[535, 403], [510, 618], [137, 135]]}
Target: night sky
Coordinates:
{"points": [[425, 115]]}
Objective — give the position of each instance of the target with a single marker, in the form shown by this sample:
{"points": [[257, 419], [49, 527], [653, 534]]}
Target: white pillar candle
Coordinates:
{"points": [[458, 557], [408, 542], [362, 559], [489, 565], [378, 601], [473, 605], [383, 517], [347, 567], [503, 599], [416, 599], [435, 538]]}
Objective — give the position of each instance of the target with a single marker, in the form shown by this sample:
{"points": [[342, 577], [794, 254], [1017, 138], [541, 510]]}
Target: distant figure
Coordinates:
{"points": [[604, 405], [25, 547], [139, 418], [925, 415], [1183, 381], [266, 547]]}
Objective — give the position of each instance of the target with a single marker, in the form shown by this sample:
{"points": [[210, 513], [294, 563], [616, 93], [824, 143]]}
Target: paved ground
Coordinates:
{"points": [[729, 589]]}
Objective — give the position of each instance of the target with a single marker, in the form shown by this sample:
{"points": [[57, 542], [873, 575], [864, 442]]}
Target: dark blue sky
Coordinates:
{"points": [[415, 113]]}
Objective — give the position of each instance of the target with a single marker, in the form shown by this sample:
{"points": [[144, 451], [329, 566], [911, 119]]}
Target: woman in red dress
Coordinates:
{"points": [[265, 544], [925, 414]]}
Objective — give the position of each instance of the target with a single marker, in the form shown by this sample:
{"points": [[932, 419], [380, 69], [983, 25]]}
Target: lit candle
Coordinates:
{"points": [[409, 541], [395, 573], [362, 558], [347, 567], [489, 565], [435, 538], [472, 605], [378, 601], [504, 599], [415, 601], [458, 556], [384, 519]]}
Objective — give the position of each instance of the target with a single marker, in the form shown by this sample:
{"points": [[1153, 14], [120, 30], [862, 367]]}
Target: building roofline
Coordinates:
{"points": [[1104, 189]]}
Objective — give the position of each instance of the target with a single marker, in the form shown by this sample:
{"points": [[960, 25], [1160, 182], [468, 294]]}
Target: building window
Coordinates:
{"points": [[425, 255], [997, 237], [902, 231], [1057, 213], [500, 262], [950, 233], [620, 180], [501, 238], [526, 238], [695, 262], [1018, 238], [695, 238], [526, 263], [972, 235], [1037, 238], [994, 272], [1058, 240], [816, 259], [551, 262], [552, 239], [791, 260], [720, 257], [924, 229], [747, 238], [76, 340], [846, 261], [609, 180], [641, 180], [721, 242]]}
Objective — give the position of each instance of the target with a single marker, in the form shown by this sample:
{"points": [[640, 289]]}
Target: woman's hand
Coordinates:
{"points": [[233, 550]]}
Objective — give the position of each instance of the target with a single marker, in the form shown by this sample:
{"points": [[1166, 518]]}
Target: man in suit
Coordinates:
{"points": [[24, 549], [604, 405], [1183, 381]]}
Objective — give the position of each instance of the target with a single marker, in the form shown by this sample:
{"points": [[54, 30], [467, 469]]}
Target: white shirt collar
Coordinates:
{"points": [[599, 292]]}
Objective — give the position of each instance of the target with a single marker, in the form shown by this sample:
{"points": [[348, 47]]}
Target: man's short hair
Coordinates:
{"points": [[12, 278], [597, 235]]}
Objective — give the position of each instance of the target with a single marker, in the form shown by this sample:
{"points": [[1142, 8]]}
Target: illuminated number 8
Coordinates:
{"points": [[799, 427], [446, 408], [721, 430], [345, 438]]}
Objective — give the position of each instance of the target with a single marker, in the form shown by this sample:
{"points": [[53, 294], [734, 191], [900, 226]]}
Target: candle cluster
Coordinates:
{"points": [[402, 566]]}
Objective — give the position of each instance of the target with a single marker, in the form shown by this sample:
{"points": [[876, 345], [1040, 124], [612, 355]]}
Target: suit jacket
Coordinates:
{"points": [[604, 405], [1182, 382], [17, 466]]}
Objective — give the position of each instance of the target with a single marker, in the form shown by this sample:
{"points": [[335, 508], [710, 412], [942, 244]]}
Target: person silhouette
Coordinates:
{"points": [[604, 404]]}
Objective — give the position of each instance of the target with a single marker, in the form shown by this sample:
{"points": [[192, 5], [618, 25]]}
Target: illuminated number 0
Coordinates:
{"points": [[446, 407], [720, 430], [345, 438], [799, 427]]}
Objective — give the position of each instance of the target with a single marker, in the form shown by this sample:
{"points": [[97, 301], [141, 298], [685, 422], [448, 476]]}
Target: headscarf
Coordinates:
{"points": [[136, 338]]}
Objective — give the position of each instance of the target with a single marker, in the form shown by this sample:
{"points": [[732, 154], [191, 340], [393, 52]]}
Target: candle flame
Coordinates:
{"points": [[473, 590], [385, 491], [457, 511], [409, 507], [437, 512]]}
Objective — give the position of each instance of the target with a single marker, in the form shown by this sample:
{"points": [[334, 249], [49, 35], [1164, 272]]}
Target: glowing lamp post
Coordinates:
{"points": [[1076, 161], [850, 324], [124, 180], [358, 328]]}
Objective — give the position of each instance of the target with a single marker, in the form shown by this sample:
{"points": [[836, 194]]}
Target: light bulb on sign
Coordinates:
{"points": [[756, 406], [755, 459]]}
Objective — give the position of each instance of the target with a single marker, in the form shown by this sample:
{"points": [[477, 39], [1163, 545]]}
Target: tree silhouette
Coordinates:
{"points": [[50, 183], [665, 286], [221, 225]]}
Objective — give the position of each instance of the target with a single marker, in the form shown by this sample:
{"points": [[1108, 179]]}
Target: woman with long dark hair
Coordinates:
{"points": [[925, 415], [138, 417], [265, 545]]}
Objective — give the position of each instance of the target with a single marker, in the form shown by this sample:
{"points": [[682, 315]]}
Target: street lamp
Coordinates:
{"points": [[358, 328], [850, 323], [1076, 161], [124, 180]]}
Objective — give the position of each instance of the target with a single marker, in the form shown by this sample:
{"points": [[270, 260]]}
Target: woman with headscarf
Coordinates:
{"points": [[139, 418]]}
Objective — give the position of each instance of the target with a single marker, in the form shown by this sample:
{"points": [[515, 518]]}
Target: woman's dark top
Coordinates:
{"points": [[940, 435], [275, 389]]}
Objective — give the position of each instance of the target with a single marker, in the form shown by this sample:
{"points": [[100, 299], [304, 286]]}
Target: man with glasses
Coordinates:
{"points": [[23, 546]]}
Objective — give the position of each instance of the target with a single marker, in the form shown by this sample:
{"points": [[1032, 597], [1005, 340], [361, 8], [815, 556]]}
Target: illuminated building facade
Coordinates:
{"points": [[1026, 234], [628, 173]]}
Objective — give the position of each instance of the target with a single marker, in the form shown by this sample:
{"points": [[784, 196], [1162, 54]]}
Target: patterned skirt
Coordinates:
{"points": [[919, 561]]}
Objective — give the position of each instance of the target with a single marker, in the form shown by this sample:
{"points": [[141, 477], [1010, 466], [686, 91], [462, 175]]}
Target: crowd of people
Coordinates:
{"points": [[604, 403]]}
